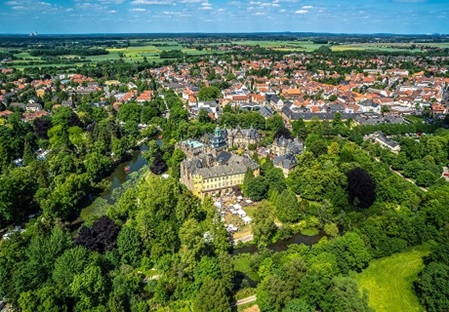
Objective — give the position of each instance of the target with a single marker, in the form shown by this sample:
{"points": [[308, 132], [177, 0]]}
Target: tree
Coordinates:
{"points": [[361, 188], [130, 112], [272, 294], [263, 223], [62, 201], [203, 116], [209, 94], [89, 287], [175, 160], [129, 246], [41, 127], [343, 296], [37, 265], [317, 147], [287, 207], [158, 165], [426, 178], [298, 305], [71, 262], [45, 299], [256, 189], [432, 287], [276, 180], [282, 132], [275, 122], [101, 236], [212, 297], [96, 164]]}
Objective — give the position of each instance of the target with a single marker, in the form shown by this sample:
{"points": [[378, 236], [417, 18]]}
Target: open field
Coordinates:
{"points": [[140, 49], [388, 47], [135, 53], [306, 46], [389, 281]]}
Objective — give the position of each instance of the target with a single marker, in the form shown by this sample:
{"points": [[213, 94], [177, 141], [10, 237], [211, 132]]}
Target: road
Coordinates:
{"points": [[244, 301], [244, 239]]}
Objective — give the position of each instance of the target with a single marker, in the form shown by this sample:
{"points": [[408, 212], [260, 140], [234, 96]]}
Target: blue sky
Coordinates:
{"points": [[146, 16]]}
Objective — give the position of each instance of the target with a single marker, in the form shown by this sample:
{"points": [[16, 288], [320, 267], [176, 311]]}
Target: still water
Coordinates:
{"points": [[119, 176], [282, 245]]}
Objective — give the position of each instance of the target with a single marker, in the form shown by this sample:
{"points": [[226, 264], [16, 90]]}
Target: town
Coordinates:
{"points": [[247, 178]]}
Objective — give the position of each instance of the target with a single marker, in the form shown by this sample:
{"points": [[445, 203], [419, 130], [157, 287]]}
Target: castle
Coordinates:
{"points": [[209, 168]]}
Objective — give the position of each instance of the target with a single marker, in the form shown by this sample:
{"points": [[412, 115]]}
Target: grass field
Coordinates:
{"points": [[307, 46], [242, 263], [387, 47], [389, 281]]}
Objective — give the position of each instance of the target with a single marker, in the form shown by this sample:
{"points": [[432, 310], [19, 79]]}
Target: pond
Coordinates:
{"points": [[282, 245], [120, 176]]}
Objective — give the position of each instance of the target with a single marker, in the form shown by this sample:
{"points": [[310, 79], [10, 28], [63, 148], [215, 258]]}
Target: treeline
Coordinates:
{"points": [[62, 51], [171, 54]]}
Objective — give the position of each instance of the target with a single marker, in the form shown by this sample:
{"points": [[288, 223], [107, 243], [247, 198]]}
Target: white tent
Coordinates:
{"points": [[238, 206], [241, 213], [247, 219]]}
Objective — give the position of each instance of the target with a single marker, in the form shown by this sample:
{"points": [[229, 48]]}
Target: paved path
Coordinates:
{"points": [[400, 174], [244, 239], [245, 301]]}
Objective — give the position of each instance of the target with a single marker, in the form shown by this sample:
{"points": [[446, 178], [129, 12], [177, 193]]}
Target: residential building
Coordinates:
{"points": [[384, 141]]}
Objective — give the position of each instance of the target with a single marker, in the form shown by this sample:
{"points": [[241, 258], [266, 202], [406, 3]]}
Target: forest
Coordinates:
{"points": [[159, 247]]}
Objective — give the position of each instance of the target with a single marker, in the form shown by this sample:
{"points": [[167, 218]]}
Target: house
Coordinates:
{"points": [[286, 163], [5, 114], [276, 102], [33, 107], [266, 112], [384, 141], [243, 138], [368, 106], [438, 111], [68, 103], [30, 116], [16, 105], [283, 146]]}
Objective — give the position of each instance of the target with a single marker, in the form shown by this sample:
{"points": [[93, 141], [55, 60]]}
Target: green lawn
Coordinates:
{"points": [[389, 281], [242, 263]]}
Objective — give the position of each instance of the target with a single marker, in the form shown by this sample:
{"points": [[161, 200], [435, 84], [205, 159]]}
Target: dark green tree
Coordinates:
{"points": [[212, 297], [287, 207]]}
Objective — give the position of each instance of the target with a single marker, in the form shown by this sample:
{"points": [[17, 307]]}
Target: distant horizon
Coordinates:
{"points": [[224, 16], [226, 33]]}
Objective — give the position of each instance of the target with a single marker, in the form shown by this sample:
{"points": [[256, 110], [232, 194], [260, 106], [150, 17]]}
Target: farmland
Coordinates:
{"points": [[48, 51]]}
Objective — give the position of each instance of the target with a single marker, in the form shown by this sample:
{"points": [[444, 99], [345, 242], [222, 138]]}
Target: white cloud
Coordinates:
{"points": [[307, 7], [111, 1], [206, 6], [151, 2], [138, 10], [267, 4], [301, 11]]}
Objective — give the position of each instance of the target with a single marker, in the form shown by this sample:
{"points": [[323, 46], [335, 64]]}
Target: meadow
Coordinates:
{"points": [[137, 50], [388, 281]]}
